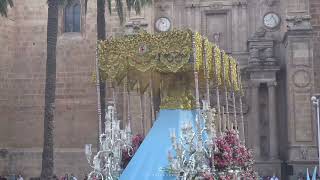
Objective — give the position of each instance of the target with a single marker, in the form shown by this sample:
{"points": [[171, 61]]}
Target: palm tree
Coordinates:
{"points": [[50, 89], [101, 35], [4, 7], [50, 84]]}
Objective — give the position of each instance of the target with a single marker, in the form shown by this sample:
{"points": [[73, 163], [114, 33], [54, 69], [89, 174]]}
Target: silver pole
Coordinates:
{"points": [[315, 100], [98, 94], [196, 79]]}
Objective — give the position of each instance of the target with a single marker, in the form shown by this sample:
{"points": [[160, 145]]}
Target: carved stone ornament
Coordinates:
{"points": [[240, 3], [299, 22], [301, 78], [135, 25], [303, 153], [260, 33], [270, 3], [163, 7], [216, 6]]}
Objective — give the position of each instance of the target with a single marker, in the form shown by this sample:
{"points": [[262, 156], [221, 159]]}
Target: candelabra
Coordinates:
{"points": [[106, 163], [195, 146]]}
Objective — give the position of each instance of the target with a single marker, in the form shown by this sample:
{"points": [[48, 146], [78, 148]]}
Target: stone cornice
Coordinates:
{"points": [[272, 83], [299, 22]]}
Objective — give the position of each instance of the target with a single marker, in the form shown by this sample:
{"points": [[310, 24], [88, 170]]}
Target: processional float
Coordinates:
{"points": [[188, 72]]}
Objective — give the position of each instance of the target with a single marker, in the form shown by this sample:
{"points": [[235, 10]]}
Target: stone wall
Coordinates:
{"points": [[22, 73], [7, 52], [75, 118], [315, 20]]}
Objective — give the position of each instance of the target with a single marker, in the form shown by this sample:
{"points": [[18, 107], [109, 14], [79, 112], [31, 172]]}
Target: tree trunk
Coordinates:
{"points": [[101, 35], [50, 88]]}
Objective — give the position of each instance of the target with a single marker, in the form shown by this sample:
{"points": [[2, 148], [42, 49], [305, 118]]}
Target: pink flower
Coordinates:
{"points": [[136, 142], [232, 154]]}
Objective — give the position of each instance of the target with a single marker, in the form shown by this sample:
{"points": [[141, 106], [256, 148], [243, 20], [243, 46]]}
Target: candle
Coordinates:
{"points": [[88, 149], [174, 133]]}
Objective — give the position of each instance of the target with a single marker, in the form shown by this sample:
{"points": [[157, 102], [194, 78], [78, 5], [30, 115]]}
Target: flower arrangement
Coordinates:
{"points": [[136, 142], [231, 156]]}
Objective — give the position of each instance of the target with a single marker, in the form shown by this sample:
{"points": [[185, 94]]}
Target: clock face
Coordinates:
{"points": [[163, 24], [271, 20]]}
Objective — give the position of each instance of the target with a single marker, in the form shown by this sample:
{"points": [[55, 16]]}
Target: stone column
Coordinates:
{"points": [[301, 132], [255, 125], [273, 128]]}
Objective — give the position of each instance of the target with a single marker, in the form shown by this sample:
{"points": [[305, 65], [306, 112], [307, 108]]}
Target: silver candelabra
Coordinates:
{"points": [[194, 147], [106, 163]]}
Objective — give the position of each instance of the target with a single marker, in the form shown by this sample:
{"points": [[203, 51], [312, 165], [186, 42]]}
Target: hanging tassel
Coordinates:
{"points": [[206, 73], [242, 135]]}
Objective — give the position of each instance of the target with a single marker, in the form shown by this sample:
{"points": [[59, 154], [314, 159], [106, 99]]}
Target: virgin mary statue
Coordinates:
{"points": [[176, 108]]}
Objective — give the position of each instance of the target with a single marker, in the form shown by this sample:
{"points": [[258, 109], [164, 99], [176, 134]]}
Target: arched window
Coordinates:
{"points": [[72, 17]]}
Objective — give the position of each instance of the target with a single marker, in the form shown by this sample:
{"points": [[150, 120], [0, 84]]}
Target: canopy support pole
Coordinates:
{"points": [[128, 105], [141, 95], [226, 92], [242, 133], [224, 119], [151, 100], [196, 79], [235, 124], [217, 91], [98, 96]]}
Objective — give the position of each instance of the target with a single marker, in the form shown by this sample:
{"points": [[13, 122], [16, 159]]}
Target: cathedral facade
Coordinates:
{"points": [[276, 43]]}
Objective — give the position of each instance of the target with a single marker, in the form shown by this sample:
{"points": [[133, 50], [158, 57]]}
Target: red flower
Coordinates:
{"points": [[231, 154], [136, 142]]}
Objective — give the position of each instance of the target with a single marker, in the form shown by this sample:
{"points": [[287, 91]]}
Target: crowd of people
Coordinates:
{"points": [[55, 177], [19, 177]]}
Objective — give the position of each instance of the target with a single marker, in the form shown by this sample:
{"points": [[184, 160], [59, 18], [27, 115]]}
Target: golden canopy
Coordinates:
{"points": [[169, 52]]}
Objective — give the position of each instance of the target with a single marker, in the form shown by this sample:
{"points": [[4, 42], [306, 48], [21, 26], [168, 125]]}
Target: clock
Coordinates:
{"points": [[163, 24], [271, 20]]}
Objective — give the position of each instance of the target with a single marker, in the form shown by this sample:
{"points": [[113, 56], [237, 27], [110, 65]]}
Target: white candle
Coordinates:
{"points": [[88, 149]]}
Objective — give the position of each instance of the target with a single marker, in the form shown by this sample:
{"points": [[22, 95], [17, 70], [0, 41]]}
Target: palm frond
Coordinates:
{"points": [[131, 4], [128, 3], [119, 7], [85, 6], [138, 4], [109, 5], [10, 3], [4, 7]]}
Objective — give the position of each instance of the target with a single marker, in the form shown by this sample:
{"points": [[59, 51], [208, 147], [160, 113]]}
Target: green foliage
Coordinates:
{"points": [[137, 4], [4, 7], [131, 4]]}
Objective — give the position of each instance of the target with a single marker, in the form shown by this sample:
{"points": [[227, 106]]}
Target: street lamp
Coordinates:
{"points": [[316, 102]]}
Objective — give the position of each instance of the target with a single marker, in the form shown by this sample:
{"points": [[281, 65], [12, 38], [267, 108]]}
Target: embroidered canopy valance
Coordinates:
{"points": [[170, 52]]}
